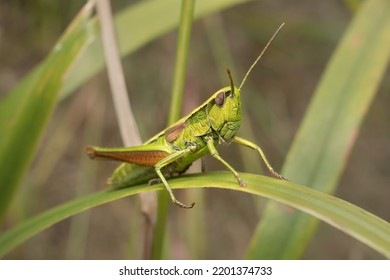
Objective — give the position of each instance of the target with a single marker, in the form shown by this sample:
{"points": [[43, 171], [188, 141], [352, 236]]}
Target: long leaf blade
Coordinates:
{"points": [[349, 218]]}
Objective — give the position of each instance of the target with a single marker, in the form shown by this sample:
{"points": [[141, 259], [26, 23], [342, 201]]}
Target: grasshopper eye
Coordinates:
{"points": [[220, 99]]}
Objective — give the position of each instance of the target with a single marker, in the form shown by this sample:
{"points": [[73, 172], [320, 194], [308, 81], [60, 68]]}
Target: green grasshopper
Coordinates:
{"points": [[173, 150]]}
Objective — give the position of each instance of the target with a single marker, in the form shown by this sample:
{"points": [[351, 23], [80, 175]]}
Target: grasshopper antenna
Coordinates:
{"points": [[260, 55], [231, 80]]}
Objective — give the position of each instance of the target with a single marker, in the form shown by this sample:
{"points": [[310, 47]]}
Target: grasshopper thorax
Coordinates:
{"points": [[224, 113]]}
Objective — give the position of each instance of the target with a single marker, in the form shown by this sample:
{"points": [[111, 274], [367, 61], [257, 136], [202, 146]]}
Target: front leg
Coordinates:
{"points": [[253, 146], [215, 154]]}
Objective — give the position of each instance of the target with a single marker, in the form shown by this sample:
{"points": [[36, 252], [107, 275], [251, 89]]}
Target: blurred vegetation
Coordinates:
{"points": [[282, 85]]}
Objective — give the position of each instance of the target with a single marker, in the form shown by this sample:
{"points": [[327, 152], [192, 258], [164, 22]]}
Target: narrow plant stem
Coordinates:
{"points": [[183, 46], [159, 230], [174, 113]]}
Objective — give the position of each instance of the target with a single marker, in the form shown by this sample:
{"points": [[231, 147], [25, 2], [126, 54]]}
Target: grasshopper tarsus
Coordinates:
{"points": [[277, 175], [241, 182], [182, 205]]}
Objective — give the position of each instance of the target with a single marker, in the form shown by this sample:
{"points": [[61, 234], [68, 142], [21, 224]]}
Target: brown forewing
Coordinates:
{"points": [[173, 132]]}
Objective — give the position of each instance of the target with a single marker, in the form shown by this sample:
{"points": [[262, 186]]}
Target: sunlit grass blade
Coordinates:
{"points": [[26, 110], [349, 218], [322, 145]]}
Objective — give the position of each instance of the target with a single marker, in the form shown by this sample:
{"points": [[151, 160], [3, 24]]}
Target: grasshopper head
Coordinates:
{"points": [[224, 107], [224, 111]]}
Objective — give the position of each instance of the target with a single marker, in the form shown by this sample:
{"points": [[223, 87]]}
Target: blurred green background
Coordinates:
{"points": [[275, 98]]}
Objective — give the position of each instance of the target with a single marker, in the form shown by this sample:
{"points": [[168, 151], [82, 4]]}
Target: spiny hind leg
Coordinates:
{"points": [[253, 146], [215, 154]]}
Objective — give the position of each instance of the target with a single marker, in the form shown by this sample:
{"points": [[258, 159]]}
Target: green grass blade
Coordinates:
{"points": [[26, 110], [320, 150], [183, 45], [349, 218]]}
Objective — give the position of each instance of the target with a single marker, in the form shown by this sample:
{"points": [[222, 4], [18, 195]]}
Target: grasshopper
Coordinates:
{"points": [[173, 150]]}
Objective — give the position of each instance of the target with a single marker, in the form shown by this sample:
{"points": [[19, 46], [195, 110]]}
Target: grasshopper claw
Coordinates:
{"points": [[278, 176], [182, 205], [241, 182]]}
